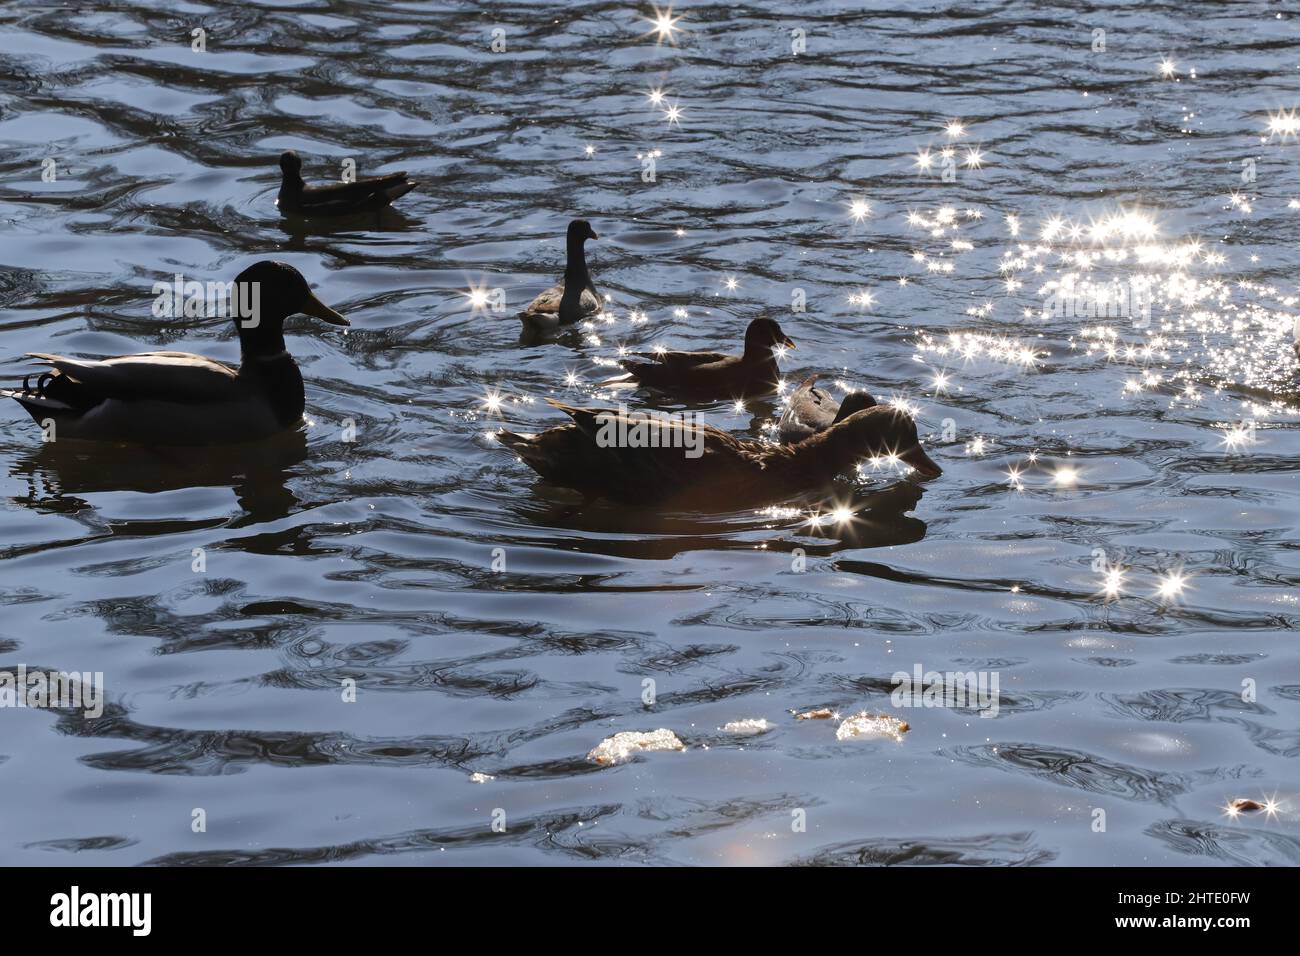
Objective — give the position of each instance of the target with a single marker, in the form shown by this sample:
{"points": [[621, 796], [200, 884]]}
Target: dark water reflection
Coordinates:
{"points": [[492, 624], [61, 475]]}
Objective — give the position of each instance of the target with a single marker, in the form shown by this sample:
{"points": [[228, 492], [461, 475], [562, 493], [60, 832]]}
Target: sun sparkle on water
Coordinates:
{"points": [[664, 25], [1171, 585]]}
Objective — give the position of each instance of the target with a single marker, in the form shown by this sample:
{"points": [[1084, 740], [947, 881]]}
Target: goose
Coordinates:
{"points": [[575, 296]]}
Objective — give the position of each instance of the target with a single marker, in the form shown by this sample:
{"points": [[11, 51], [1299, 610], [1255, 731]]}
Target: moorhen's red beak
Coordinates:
{"points": [[918, 459]]}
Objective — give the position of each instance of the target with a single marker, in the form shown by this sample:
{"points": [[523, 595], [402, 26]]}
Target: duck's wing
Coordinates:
{"points": [[548, 303], [566, 455], [795, 424], [179, 377], [690, 372], [684, 359], [363, 191], [657, 463], [711, 464], [810, 409]]}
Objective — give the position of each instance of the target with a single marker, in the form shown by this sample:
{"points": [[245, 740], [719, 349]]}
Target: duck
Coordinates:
{"points": [[177, 398], [574, 297], [811, 409], [336, 199], [646, 457], [717, 374]]}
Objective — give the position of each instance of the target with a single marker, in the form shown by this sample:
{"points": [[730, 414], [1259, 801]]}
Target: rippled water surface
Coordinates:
{"points": [[1070, 444]]}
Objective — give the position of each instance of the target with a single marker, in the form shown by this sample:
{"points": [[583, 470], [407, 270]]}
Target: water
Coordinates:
{"points": [[372, 560]]}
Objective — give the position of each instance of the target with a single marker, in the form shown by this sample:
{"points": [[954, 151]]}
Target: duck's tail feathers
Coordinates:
{"points": [[36, 405], [573, 411], [618, 381], [539, 323], [396, 190], [525, 446], [587, 419], [54, 391], [638, 369], [516, 443]]}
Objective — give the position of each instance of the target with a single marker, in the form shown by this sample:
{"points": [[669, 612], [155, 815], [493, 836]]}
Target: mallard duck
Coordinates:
{"points": [[176, 398], [336, 199], [646, 457], [717, 374], [811, 409], [575, 296]]}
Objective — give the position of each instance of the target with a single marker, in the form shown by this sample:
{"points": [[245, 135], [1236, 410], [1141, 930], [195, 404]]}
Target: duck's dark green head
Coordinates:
{"points": [[763, 335], [290, 164], [884, 431], [854, 402], [268, 293], [580, 231]]}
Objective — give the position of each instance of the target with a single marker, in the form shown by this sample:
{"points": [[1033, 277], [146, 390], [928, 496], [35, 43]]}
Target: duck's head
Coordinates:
{"points": [[854, 402], [884, 431], [580, 231], [267, 293], [290, 164], [763, 335]]}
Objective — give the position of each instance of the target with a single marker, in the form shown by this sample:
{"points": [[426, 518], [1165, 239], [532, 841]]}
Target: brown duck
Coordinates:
{"points": [[574, 297], [811, 409], [336, 199], [712, 375], [640, 457]]}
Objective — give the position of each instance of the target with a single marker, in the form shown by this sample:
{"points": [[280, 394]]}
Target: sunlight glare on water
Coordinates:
{"points": [[1074, 264]]}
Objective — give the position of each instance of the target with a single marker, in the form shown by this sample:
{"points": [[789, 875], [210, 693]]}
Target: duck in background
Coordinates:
{"points": [[177, 398], [687, 464], [810, 410], [336, 199], [716, 375], [574, 297]]}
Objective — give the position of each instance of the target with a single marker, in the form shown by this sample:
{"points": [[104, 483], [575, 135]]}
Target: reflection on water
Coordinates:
{"points": [[60, 475], [1075, 266]]}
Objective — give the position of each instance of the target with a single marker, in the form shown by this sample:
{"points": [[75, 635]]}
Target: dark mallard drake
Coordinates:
{"points": [[716, 374], [597, 454], [811, 409], [575, 297], [336, 199], [176, 398]]}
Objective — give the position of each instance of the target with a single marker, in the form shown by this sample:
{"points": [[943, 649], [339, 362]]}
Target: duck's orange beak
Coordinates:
{"points": [[918, 459], [788, 342]]}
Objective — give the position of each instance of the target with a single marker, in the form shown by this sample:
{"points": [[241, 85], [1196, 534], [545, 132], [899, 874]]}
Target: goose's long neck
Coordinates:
{"points": [[576, 275]]}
